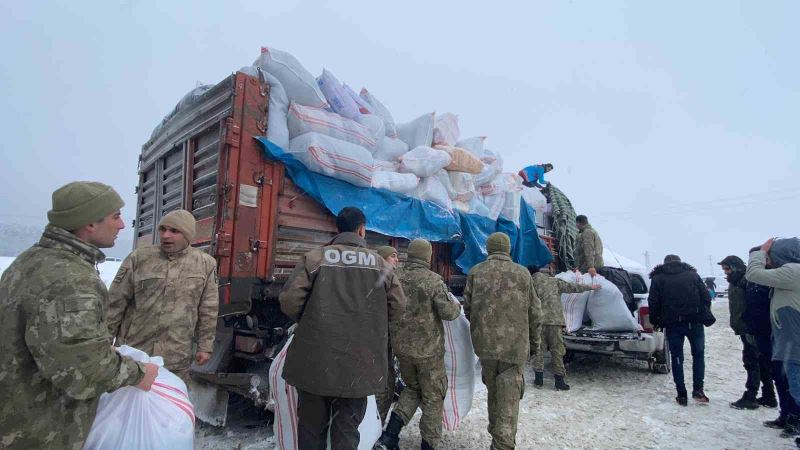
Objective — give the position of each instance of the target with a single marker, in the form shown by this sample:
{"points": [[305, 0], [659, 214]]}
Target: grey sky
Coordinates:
{"points": [[672, 126]]}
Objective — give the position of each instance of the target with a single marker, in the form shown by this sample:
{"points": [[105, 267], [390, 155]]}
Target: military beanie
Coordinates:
{"points": [[386, 251], [182, 221], [498, 243], [82, 202], [420, 249]]}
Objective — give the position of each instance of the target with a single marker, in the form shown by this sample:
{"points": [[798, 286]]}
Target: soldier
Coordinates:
{"points": [[342, 296], [505, 319], [549, 290], [56, 357], [165, 296], [588, 247], [386, 398], [418, 340]]}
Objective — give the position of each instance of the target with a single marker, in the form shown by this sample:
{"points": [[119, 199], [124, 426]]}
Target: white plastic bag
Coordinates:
{"points": [[284, 396], [363, 106], [337, 96], [463, 185], [390, 149], [424, 161], [474, 145], [396, 182], [494, 203], [444, 178], [513, 196], [432, 190], [375, 126], [300, 85], [418, 132], [335, 158], [304, 119], [492, 166], [381, 111], [445, 129], [130, 418], [386, 166], [605, 307], [277, 127], [459, 365], [476, 206], [574, 304]]}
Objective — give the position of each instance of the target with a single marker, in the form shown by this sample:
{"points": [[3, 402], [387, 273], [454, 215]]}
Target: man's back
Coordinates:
{"points": [[677, 294], [502, 306], [589, 249], [338, 296]]}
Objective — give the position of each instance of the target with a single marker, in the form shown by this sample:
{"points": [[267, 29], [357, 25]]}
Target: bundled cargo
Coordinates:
{"points": [[337, 96], [424, 161], [418, 132], [445, 129], [605, 307], [402, 183], [305, 119], [300, 85], [381, 111], [333, 157]]}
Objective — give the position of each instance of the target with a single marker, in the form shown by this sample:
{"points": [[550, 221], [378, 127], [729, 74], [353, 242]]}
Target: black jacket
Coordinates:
{"points": [[677, 294], [756, 310]]}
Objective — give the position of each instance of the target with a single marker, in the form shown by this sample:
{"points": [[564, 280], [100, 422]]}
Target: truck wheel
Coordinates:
{"points": [[662, 361]]}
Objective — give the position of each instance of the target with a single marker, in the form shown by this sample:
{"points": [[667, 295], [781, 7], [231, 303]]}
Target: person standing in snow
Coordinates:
{"points": [[758, 371], [588, 247], [385, 399], [679, 303], [418, 340], [533, 176], [505, 317], [549, 290], [777, 265], [342, 296]]}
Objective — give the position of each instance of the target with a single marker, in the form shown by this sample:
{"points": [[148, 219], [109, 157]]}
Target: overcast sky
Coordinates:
{"points": [[673, 125]]}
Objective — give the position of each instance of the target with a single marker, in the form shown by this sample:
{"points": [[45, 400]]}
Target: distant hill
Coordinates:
{"points": [[16, 238]]}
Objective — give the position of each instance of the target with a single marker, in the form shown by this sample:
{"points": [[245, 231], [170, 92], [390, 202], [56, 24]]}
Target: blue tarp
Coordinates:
{"points": [[401, 216]]}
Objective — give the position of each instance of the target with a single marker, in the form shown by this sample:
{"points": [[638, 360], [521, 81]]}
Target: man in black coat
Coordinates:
{"points": [[680, 303]]}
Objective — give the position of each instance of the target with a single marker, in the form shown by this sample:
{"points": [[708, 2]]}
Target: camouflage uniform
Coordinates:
{"points": [[418, 341], [505, 320], [56, 357], [159, 301], [588, 249], [549, 290]]}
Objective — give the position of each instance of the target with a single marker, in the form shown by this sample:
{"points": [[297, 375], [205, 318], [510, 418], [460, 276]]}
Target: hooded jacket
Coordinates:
{"points": [[677, 294]]}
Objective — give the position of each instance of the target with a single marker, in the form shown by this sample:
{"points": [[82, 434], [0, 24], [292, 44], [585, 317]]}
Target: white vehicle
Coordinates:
{"points": [[645, 345]]}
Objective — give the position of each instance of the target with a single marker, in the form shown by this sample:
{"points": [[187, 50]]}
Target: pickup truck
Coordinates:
{"points": [[251, 218], [646, 345]]}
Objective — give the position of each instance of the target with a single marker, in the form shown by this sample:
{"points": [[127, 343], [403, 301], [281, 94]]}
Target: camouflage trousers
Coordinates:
{"points": [[505, 384], [426, 386], [552, 340], [386, 398]]}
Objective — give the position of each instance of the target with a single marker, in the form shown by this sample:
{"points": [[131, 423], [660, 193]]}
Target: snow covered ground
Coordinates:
{"points": [[612, 405]]}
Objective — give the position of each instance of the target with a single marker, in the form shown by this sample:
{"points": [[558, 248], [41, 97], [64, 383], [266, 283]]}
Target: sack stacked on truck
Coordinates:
{"points": [[605, 307]]}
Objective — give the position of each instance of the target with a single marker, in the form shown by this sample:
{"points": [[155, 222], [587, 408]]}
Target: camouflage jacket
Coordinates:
{"points": [[159, 302], [419, 334], [588, 250], [504, 312], [55, 352], [549, 290]]}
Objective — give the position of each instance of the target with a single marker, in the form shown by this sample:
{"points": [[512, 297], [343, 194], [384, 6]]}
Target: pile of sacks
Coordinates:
{"points": [[604, 309], [353, 137]]}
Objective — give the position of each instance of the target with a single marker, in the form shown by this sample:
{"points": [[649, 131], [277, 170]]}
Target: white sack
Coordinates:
{"points": [[513, 195], [390, 149], [463, 185], [476, 206], [304, 119], [418, 132], [461, 206], [363, 106], [605, 307], [284, 396], [386, 166], [375, 126], [444, 178], [473, 145], [534, 198], [445, 129], [381, 111], [334, 158], [396, 182], [492, 166], [432, 190], [574, 304], [424, 161], [277, 128], [300, 85], [459, 365], [340, 100], [130, 418], [494, 204]]}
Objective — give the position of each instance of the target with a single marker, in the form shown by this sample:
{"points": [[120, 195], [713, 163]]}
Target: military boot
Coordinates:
{"points": [[748, 401], [538, 379], [560, 384], [792, 427], [425, 445], [390, 439]]}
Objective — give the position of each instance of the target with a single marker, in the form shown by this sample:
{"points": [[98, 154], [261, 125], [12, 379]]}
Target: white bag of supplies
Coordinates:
{"points": [[130, 418], [445, 129], [381, 111], [432, 190], [335, 158], [460, 362], [304, 119], [402, 183], [300, 85], [474, 145], [336, 95], [418, 132], [424, 161], [390, 149]]}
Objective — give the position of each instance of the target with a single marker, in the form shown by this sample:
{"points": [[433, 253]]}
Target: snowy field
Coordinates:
{"points": [[612, 405]]}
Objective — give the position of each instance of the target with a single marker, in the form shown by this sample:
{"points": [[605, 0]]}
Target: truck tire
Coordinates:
{"points": [[662, 361]]}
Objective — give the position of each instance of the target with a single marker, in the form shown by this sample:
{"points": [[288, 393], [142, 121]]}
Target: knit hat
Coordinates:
{"points": [[386, 251], [182, 221], [420, 249], [498, 243], [672, 258], [82, 202], [734, 262]]}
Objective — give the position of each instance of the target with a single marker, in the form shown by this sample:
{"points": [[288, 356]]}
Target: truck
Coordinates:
{"points": [[251, 218]]}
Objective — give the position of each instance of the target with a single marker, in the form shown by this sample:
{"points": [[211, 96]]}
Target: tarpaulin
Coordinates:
{"points": [[397, 215]]}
